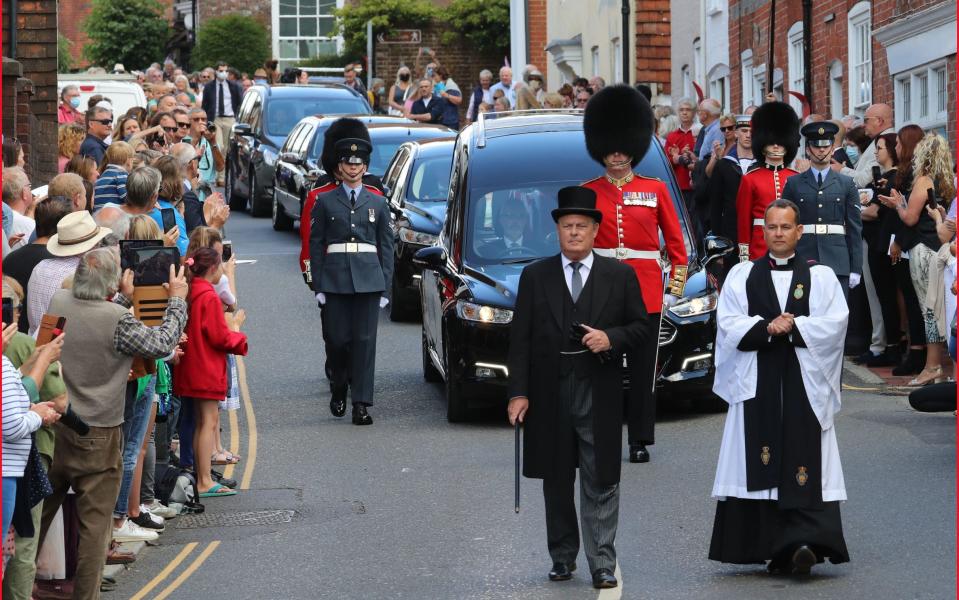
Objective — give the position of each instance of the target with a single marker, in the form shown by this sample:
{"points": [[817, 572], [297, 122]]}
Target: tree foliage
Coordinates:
{"points": [[64, 58], [237, 40], [132, 32], [482, 23], [386, 15]]}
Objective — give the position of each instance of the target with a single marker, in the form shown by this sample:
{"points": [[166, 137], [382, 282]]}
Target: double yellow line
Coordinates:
{"points": [[244, 484]]}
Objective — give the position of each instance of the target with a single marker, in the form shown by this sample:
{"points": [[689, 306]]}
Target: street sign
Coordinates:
{"points": [[400, 36]]}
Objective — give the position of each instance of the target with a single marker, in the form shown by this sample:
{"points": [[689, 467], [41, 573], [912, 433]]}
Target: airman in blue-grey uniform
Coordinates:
{"points": [[828, 208], [351, 264]]}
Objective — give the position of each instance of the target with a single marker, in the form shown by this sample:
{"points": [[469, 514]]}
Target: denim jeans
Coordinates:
{"points": [[9, 501], [136, 416]]}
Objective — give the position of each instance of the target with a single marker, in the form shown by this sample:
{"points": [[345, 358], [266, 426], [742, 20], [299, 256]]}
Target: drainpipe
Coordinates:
{"points": [[807, 51], [626, 44], [772, 39]]}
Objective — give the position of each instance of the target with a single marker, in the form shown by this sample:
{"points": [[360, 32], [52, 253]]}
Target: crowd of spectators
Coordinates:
{"points": [[101, 403]]}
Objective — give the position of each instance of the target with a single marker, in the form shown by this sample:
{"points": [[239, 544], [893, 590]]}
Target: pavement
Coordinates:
{"points": [[415, 507]]}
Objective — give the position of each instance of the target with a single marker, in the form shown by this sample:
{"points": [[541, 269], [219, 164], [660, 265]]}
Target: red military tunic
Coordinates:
{"points": [[306, 221], [633, 215], [757, 190]]}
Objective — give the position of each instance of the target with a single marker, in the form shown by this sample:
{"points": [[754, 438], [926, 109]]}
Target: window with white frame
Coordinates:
{"points": [[759, 84], [835, 90], [797, 66], [687, 82], [617, 49], [304, 29], [698, 66], [594, 56], [921, 96], [749, 80], [859, 34]]}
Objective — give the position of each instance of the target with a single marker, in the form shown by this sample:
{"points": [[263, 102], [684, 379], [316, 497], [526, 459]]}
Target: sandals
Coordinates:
{"points": [[224, 458], [217, 490], [927, 376]]}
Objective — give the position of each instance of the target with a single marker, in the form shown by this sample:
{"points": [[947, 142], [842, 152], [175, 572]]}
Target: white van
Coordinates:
{"points": [[122, 89]]}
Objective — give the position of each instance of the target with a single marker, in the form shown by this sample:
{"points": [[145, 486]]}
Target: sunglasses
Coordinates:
{"points": [[198, 119], [106, 122], [170, 129], [182, 125], [729, 128]]}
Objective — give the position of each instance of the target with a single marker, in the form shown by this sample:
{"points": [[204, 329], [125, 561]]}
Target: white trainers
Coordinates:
{"points": [[158, 509], [131, 532]]}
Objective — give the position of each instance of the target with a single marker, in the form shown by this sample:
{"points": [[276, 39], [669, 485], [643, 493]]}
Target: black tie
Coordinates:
{"points": [[220, 109], [819, 177], [353, 198]]}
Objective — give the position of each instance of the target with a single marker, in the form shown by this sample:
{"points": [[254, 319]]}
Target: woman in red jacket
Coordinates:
{"points": [[200, 376]]}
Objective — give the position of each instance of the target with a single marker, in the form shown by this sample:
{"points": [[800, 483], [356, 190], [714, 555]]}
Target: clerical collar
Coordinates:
{"points": [[781, 264], [619, 182]]}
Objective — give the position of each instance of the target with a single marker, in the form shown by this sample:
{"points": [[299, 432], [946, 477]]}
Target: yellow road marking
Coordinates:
{"points": [[846, 386], [199, 560], [250, 459], [165, 572], [234, 442]]}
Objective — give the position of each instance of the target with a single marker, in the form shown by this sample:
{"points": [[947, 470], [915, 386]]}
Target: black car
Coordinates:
{"points": [[417, 183], [299, 166], [267, 115], [469, 280]]}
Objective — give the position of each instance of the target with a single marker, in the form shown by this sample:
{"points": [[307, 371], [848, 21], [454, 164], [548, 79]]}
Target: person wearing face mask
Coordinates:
{"points": [[854, 143], [534, 79], [400, 91], [69, 110], [221, 102], [450, 97]]}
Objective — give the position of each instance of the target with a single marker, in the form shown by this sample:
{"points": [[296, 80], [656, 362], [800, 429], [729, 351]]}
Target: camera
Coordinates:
{"points": [[210, 126]]}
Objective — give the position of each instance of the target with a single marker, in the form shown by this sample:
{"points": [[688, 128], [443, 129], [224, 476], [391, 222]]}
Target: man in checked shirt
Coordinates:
{"points": [[102, 337]]}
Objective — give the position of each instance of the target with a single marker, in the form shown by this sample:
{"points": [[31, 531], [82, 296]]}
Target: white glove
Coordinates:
{"points": [[384, 301], [854, 279], [321, 298], [670, 300]]}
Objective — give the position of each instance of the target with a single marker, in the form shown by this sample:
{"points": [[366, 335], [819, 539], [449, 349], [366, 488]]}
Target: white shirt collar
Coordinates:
{"points": [[586, 262], [517, 242]]}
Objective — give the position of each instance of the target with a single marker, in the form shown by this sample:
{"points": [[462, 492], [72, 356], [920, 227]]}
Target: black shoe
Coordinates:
{"points": [[803, 560], [911, 365], [889, 358], [638, 454], [562, 571], [604, 578], [864, 357], [778, 567], [145, 520], [338, 401], [360, 416], [224, 481]]}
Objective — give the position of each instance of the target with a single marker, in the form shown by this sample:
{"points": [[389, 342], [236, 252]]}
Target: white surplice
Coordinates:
{"points": [[824, 332]]}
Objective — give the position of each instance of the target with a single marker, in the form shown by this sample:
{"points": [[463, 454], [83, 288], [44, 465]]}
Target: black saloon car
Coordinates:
{"points": [[417, 183], [299, 162], [469, 281], [267, 115]]}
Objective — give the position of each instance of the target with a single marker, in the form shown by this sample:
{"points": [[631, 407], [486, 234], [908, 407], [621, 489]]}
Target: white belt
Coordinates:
{"points": [[824, 229], [350, 247], [626, 253]]}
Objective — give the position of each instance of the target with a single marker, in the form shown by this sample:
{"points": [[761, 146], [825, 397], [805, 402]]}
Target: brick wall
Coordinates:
{"points": [[258, 9], [36, 24], [536, 37], [73, 13], [462, 61], [37, 136], [749, 28], [653, 64]]}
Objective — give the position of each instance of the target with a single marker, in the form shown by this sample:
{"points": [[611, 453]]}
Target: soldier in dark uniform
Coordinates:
{"points": [[828, 204], [351, 266]]}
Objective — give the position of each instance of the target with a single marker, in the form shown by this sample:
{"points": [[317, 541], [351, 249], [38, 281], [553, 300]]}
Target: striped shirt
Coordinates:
{"points": [[46, 279], [18, 422], [111, 186]]}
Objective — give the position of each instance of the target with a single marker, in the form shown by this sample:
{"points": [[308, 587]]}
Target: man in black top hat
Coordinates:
{"points": [[828, 204], [566, 384], [351, 266]]}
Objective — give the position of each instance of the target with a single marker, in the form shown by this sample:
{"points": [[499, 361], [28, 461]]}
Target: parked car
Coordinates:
{"points": [[469, 281], [298, 163], [267, 115], [123, 90], [417, 183]]}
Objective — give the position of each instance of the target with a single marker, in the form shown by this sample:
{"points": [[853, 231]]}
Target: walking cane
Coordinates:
{"points": [[516, 470]]}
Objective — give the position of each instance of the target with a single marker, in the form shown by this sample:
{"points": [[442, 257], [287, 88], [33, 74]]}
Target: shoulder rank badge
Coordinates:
{"points": [[372, 216], [802, 476], [798, 293], [640, 199], [765, 456]]}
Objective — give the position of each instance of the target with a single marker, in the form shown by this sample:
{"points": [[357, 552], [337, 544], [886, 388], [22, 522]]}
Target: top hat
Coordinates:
{"points": [[820, 133], [576, 200]]}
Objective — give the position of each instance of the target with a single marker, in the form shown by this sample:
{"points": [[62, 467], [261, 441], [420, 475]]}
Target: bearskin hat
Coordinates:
{"points": [[618, 119], [346, 127], [776, 123]]}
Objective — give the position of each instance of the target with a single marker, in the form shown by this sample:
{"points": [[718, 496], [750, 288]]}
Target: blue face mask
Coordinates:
{"points": [[259, 81], [853, 153], [75, 102]]}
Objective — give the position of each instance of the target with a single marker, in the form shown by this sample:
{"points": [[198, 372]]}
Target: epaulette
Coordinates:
{"points": [[650, 178]]}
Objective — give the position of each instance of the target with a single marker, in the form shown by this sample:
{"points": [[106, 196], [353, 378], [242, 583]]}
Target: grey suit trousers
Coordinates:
{"points": [[599, 505]]}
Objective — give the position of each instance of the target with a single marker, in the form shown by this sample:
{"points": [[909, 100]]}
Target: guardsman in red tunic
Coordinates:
{"points": [[775, 133], [339, 129], [618, 124]]}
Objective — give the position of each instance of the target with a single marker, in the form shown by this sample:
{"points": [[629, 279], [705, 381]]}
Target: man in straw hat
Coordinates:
{"points": [[618, 124], [565, 384]]}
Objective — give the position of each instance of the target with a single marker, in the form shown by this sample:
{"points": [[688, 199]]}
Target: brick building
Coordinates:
{"points": [[896, 52], [70, 19], [30, 83]]}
